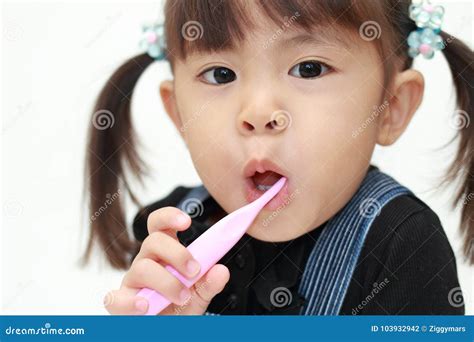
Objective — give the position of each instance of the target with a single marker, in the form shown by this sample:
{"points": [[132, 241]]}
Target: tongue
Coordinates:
{"points": [[266, 178]]}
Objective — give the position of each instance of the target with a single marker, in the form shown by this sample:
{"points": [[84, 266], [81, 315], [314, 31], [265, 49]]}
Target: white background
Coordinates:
{"points": [[55, 58]]}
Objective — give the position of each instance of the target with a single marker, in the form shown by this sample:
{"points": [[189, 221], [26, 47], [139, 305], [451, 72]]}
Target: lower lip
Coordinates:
{"points": [[252, 193]]}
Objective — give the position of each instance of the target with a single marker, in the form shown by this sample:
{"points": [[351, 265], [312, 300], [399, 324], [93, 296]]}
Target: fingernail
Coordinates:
{"points": [[184, 295], [141, 305], [181, 219], [193, 267]]}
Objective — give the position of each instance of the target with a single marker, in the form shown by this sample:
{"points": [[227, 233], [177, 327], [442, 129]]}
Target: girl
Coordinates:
{"points": [[295, 88]]}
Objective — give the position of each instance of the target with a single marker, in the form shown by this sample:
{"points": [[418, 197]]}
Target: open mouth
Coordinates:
{"points": [[261, 175], [264, 181]]}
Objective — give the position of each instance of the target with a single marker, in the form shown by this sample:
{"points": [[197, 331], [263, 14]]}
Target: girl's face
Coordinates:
{"points": [[282, 103]]}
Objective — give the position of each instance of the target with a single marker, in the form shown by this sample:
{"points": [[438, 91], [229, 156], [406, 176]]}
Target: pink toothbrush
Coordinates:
{"points": [[213, 244]]}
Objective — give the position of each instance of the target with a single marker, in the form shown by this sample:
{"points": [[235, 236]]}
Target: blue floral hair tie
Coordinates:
{"points": [[153, 41], [426, 39]]}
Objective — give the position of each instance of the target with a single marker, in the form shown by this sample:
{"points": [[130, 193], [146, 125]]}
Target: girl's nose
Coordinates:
{"points": [[271, 123]]}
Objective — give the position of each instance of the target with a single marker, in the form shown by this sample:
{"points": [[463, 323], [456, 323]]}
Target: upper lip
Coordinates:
{"points": [[261, 165]]}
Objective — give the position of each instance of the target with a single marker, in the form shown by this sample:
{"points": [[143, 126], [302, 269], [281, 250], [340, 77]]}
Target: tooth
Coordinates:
{"points": [[263, 187]]}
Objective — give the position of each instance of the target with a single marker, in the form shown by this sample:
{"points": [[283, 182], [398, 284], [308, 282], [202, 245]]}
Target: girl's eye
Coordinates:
{"points": [[218, 75], [309, 69]]}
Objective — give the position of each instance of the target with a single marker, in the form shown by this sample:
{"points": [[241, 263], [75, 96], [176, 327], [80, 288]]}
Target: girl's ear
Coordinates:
{"points": [[171, 107], [406, 95]]}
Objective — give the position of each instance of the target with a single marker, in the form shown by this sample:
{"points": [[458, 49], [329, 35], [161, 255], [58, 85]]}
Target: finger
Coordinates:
{"points": [[125, 302], [162, 247], [168, 220], [150, 274], [212, 283]]}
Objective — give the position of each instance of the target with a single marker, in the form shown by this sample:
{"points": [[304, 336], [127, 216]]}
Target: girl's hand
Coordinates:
{"points": [[159, 249]]}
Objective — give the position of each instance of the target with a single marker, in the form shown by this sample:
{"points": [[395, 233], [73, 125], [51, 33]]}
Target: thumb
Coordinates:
{"points": [[205, 289]]}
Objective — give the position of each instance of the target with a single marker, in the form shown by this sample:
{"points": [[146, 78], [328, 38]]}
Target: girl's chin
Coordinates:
{"points": [[264, 229]]}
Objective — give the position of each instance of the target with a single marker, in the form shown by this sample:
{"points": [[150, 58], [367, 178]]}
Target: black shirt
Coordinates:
{"points": [[406, 265]]}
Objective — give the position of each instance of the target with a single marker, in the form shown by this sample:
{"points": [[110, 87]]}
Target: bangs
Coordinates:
{"points": [[205, 26]]}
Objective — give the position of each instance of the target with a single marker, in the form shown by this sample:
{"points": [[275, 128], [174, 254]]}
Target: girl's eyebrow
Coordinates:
{"points": [[317, 39]]}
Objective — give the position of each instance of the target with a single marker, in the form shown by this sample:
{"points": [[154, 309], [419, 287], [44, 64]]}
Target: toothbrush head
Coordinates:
{"points": [[269, 194]]}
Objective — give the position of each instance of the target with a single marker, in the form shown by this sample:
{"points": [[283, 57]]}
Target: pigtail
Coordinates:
{"points": [[111, 147], [460, 59]]}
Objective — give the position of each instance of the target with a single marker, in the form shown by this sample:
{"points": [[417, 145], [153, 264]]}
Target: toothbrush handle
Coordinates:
{"points": [[156, 301], [213, 244], [207, 250]]}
